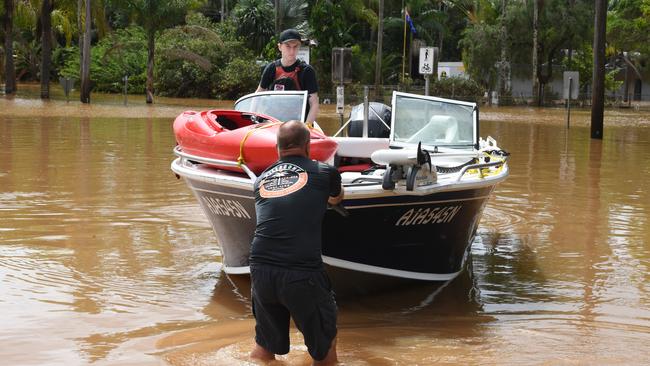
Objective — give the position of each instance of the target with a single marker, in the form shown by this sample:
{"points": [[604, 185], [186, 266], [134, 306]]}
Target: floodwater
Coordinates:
{"points": [[106, 259]]}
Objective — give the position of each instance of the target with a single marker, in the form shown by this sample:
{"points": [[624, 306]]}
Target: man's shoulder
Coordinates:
{"points": [[305, 66]]}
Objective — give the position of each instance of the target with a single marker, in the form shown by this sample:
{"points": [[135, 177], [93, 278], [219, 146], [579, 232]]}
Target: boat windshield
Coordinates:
{"points": [[285, 106], [433, 121]]}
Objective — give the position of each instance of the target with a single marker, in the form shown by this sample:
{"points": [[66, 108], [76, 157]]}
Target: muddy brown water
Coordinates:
{"points": [[105, 258]]}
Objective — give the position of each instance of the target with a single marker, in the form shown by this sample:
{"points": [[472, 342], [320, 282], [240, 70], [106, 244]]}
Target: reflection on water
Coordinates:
{"points": [[105, 257]]}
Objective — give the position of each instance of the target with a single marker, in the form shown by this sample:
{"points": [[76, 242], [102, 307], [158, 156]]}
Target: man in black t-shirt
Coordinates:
{"points": [[290, 73], [288, 279]]}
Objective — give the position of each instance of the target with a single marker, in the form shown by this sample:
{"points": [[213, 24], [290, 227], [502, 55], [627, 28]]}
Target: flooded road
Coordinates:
{"points": [[105, 257]]}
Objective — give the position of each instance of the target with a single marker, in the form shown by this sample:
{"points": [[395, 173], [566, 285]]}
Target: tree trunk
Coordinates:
{"points": [[598, 81], [10, 69], [535, 46], [46, 50], [504, 65], [151, 44], [380, 39], [277, 17], [85, 61], [80, 5]]}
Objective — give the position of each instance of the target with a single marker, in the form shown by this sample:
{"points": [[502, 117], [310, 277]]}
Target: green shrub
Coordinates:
{"points": [[122, 53], [204, 59], [457, 87]]}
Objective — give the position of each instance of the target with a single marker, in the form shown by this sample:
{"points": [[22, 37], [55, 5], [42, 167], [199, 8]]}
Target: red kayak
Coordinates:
{"points": [[245, 137]]}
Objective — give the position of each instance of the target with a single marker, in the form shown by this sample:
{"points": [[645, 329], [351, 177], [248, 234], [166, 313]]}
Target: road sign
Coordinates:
{"points": [[572, 80], [339, 100], [426, 60], [303, 53]]}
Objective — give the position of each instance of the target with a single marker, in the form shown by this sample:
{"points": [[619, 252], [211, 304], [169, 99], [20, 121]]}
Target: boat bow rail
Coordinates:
{"points": [[185, 157]]}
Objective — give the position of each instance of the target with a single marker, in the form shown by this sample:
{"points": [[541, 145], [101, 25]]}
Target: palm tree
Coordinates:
{"points": [[154, 16], [85, 55], [10, 69], [46, 50], [290, 14], [254, 22], [380, 38]]}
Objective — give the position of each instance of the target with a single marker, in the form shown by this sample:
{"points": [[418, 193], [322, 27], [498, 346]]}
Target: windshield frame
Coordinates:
{"points": [[302, 93], [395, 110]]}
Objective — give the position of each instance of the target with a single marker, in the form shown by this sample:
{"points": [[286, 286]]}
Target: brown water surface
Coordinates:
{"points": [[105, 257]]}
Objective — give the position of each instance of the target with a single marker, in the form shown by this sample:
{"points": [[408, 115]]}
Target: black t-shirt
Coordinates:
{"points": [[290, 203], [306, 75]]}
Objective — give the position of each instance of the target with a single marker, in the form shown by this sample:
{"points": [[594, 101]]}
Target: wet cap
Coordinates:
{"points": [[289, 35]]}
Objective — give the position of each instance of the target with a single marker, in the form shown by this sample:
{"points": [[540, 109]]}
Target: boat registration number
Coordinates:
{"points": [[424, 216]]}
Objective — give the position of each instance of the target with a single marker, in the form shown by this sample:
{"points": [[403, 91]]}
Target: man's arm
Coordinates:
{"points": [[336, 200], [336, 188], [313, 107]]}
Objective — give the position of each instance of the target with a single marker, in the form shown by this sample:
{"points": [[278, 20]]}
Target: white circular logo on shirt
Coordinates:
{"points": [[282, 180]]}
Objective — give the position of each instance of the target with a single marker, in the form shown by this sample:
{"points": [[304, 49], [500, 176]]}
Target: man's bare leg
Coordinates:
{"points": [[330, 359], [260, 353]]}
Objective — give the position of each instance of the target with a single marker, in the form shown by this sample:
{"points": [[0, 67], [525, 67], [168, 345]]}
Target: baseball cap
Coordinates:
{"points": [[289, 35]]}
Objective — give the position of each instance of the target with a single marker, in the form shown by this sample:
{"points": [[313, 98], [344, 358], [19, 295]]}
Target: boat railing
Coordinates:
{"points": [[478, 166], [200, 159]]}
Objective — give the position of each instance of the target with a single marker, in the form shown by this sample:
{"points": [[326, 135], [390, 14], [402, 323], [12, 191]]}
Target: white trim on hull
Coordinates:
{"points": [[244, 270], [340, 263], [335, 262]]}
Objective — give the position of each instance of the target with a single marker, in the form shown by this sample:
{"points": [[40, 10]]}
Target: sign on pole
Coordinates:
{"points": [[303, 53], [339, 100], [426, 60], [572, 84]]}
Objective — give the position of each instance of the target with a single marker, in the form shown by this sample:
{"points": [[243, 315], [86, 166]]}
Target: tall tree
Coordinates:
{"points": [[155, 16], [46, 50], [536, 64], [598, 83], [85, 56], [290, 14], [504, 64], [380, 38], [254, 20], [10, 69]]}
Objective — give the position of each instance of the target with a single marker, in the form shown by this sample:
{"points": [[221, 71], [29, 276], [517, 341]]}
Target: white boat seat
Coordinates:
{"points": [[439, 129]]}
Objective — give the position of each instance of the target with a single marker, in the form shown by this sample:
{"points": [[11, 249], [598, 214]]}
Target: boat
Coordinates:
{"points": [[416, 174]]}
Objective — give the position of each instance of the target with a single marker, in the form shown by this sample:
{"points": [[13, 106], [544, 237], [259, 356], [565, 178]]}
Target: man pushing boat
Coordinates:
{"points": [[288, 279], [291, 73]]}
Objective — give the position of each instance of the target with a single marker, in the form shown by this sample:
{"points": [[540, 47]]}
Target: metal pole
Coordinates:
{"points": [[365, 111], [426, 84], [126, 81], [568, 104], [341, 58]]}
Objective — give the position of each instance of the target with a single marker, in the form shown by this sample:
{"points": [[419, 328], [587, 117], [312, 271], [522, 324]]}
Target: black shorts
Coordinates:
{"points": [[305, 296]]}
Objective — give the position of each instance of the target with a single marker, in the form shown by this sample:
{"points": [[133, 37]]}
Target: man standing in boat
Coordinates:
{"points": [[288, 278], [290, 73]]}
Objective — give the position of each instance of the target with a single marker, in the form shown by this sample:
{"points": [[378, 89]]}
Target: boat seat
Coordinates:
{"points": [[439, 129]]}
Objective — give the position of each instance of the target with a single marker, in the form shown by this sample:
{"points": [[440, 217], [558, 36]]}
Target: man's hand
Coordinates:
{"points": [[336, 200]]}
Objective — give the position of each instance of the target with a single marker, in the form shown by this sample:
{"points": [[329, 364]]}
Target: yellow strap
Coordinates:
{"points": [[240, 159], [483, 172]]}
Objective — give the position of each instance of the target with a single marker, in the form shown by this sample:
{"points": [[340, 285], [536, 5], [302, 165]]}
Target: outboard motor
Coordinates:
{"points": [[379, 116]]}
